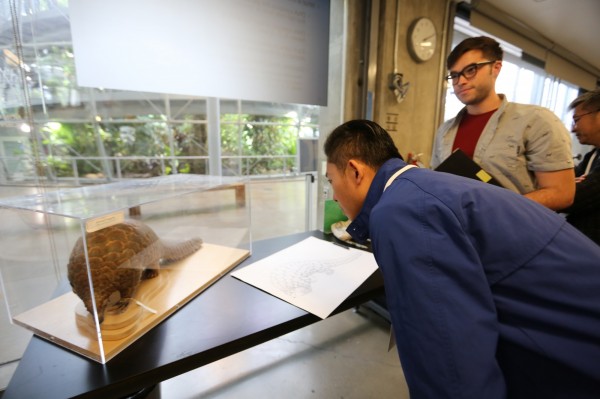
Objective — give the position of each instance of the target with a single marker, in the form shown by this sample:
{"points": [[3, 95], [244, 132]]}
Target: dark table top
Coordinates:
{"points": [[228, 317]]}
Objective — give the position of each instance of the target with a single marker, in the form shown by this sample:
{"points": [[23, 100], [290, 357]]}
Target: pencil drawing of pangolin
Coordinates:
{"points": [[296, 277], [120, 256]]}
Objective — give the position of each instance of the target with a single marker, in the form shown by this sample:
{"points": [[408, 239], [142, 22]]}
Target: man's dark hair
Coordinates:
{"points": [[360, 139], [489, 47], [589, 101]]}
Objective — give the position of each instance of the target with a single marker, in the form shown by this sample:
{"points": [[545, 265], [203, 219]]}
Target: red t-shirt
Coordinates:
{"points": [[469, 131]]}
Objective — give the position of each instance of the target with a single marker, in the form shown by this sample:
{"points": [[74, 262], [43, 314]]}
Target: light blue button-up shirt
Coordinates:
{"points": [[518, 140]]}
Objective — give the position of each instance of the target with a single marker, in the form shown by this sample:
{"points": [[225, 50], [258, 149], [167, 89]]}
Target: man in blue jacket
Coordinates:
{"points": [[491, 295]]}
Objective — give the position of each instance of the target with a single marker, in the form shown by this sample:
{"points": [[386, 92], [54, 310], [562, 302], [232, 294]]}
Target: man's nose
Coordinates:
{"points": [[460, 77]]}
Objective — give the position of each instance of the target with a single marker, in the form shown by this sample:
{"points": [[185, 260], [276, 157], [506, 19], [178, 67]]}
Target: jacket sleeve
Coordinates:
{"points": [[547, 141], [587, 195], [442, 310]]}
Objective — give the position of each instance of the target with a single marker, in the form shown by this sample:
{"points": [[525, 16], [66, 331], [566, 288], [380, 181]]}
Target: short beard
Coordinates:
{"points": [[477, 99]]}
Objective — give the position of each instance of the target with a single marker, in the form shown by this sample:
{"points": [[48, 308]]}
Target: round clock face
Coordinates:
{"points": [[422, 39]]}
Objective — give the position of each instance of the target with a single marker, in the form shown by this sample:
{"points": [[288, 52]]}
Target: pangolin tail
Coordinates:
{"points": [[175, 251]]}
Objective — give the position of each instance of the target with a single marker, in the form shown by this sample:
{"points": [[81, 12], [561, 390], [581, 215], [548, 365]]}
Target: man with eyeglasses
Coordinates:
{"points": [[584, 214], [526, 148]]}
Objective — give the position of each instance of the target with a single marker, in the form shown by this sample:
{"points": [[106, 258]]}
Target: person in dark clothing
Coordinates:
{"points": [[491, 295], [584, 213]]}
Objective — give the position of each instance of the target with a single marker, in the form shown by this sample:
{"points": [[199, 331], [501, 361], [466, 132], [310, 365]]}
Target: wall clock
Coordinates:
{"points": [[422, 39]]}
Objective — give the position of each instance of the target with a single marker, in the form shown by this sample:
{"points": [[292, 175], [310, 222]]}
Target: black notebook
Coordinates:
{"points": [[458, 163]]}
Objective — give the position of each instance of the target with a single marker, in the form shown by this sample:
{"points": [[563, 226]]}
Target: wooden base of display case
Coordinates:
{"points": [[66, 322]]}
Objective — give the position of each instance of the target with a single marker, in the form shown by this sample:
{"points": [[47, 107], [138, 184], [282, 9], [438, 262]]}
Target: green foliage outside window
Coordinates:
{"points": [[151, 146], [261, 139]]}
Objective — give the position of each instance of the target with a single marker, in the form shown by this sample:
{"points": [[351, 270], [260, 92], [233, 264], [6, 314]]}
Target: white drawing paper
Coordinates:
{"points": [[314, 275]]}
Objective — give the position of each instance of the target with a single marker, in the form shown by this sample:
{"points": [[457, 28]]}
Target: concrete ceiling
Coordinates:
{"points": [[572, 24]]}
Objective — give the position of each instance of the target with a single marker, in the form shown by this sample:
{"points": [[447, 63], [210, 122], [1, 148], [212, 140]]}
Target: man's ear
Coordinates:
{"points": [[357, 170], [497, 67]]}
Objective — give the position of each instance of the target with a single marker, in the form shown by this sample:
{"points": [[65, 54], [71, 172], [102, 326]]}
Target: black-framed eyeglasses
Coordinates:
{"points": [[468, 72], [576, 118]]}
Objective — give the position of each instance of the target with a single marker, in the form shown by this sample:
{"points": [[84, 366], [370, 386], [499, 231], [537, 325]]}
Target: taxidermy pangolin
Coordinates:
{"points": [[120, 257]]}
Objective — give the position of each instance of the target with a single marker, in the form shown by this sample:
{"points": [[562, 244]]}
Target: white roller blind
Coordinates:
{"points": [[274, 51], [494, 28], [558, 66], [539, 48]]}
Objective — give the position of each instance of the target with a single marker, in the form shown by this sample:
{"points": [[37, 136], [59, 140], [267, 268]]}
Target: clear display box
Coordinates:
{"points": [[94, 268]]}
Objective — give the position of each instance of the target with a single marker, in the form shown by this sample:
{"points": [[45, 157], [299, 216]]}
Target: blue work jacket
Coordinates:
{"points": [[471, 269]]}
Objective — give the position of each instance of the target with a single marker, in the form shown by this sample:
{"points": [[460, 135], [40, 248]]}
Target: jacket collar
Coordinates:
{"points": [[359, 228]]}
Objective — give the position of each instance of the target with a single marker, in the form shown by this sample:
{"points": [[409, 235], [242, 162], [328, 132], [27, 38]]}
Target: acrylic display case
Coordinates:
{"points": [[94, 268]]}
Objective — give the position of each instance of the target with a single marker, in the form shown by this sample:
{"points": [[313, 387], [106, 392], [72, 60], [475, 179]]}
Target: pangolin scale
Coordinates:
{"points": [[120, 257]]}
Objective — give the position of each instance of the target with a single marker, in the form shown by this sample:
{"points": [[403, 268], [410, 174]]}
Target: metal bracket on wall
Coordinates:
{"points": [[397, 86]]}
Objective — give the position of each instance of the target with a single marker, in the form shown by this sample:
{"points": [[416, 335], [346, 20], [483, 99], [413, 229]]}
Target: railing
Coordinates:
{"points": [[22, 170]]}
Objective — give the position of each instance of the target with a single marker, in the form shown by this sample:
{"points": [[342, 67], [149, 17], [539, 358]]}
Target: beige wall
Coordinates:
{"points": [[412, 122]]}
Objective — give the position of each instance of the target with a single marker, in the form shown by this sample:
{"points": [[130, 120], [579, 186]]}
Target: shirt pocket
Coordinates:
{"points": [[508, 153]]}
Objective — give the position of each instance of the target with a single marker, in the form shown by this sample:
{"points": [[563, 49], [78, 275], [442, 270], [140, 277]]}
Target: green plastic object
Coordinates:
{"points": [[333, 214]]}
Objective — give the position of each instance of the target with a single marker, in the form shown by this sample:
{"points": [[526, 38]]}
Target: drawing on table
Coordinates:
{"points": [[295, 278], [314, 274]]}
